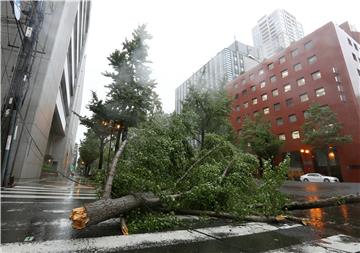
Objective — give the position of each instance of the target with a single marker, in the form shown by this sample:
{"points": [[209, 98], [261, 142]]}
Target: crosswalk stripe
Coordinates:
{"points": [[46, 197], [111, 243], [41, 191], [48, 193]]}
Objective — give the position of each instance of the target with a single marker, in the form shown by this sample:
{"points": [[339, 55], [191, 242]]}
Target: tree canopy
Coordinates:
{"points": [[322, 129], [256, 137]]}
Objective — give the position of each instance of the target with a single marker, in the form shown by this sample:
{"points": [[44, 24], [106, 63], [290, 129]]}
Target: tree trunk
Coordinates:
{"points": [[105, 209], [101, 153], [109, 181], [202, 138], [334, 201], [118, 136]]}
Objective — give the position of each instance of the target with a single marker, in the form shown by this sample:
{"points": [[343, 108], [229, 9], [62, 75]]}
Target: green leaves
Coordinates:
{"points": [[256, 138], [322, 129]]}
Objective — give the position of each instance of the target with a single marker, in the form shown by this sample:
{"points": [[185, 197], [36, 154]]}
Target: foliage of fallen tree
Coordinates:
{"points": [[160, 159]]}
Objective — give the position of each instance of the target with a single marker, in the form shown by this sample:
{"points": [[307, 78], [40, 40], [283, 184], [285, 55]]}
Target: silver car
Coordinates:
{"points": [[316, 177]]}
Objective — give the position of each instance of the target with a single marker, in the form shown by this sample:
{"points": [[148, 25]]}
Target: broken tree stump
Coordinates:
{"points": [[105, 209], [333, 201]]}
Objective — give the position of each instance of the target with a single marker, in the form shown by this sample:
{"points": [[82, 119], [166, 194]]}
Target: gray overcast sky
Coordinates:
{"points": [[188, 33]]}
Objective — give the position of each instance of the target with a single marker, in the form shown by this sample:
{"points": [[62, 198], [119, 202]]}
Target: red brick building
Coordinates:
{"points": [[324, 68]]}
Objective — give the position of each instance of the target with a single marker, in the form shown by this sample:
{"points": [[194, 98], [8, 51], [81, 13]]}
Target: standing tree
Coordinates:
{"points": [[206, 111], [322, 130], [256, 137], [98, 123], [131, 94], [89, 150]]}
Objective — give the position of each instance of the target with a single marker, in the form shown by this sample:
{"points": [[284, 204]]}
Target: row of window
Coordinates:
{"points": [[287, 87], [311, 60], [294, 135], [289, 102]]}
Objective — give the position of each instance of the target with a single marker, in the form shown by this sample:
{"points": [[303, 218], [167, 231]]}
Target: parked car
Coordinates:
{"points": [[316, 177]]}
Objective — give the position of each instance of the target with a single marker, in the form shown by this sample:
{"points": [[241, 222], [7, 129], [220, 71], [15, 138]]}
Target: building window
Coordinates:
{"points": [[252, 77], [312, 59], [349, 42], [243, 81], [295, 135], [266, 110], [297, 67], [356, 48], [308, 45], [261, 72], [236, 95], [354, 56], [246, 105], [340, 88], [244, 92], [292, 118], [301, 81], [282, 59], [253, 88], [284, 73], [277, 107], [264, 97], [320, 92], [294, 52], [238, 120], [236, 85], [256, 113], [287, 87], [238, 108], [342, 98], [270, 66], [289, 102], [316, 75], [275, 92], [358, 70], [273, 79], [262, 84], [282, 137], [304, 97], [279, 121], [254, 101]]}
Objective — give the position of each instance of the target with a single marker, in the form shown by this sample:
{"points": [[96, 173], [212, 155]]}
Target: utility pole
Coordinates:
{"points": [[21, 76]]}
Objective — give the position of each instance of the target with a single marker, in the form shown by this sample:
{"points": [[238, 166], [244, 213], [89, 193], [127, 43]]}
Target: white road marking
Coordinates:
{"points": [[14, 210], [44, 197], [45, 190], [336, 243], [48, 193], [56, 211], [138, 241]]}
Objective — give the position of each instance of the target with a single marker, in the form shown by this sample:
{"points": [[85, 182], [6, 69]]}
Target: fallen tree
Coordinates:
{"points": [[104, 209], [333, 201]]}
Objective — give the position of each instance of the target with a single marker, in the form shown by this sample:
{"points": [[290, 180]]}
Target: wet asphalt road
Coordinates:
{"points": [[39, 210]]}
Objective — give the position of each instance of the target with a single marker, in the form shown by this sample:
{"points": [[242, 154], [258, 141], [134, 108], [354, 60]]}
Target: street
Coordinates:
{"points": [[38, 211]]}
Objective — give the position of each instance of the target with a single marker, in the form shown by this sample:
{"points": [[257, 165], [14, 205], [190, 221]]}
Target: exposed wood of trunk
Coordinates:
{"points": [[105, 209], [333, 201], [226, 170], [109, 181]]}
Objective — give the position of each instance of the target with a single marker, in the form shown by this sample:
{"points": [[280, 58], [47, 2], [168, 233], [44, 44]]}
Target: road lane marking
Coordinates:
{"points": [[336, 243], [44, 197], [48, 193], [44, 190]]}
